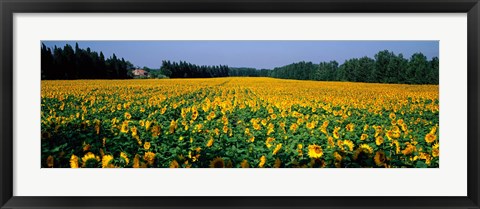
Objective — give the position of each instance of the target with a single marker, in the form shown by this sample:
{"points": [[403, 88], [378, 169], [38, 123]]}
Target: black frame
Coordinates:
{"points": [[9, 7]]}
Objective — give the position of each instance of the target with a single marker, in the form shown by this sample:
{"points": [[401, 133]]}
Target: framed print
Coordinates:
{"points": [[236, 104]]}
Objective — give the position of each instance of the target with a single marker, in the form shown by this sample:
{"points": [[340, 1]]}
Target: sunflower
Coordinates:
{"points": [[392, 116], [194, 114], [310, 125], [124, 157], [147, 125], [294, 127], [337, 156], [244, 164], [128, 116], [210, 142], [429, 138], [134, 131], [366, 148], [400, 122], [149, 157], [350, 127], [378, 130], [380, 158], [433, 130], [74, 161], [107, 161], [435, 150], [379, 140], [225, 129], [331, 142], [349, 144], [212, 115], [50, 161], [173, 126], [174, 164], [273, 116], [217, 163], [315, 151], [136, 161], [146, 145], [124, 128], [363, 137], [269, 142], [263, 159], [335, 133], [155, 130], [277, 148], [397, 146], [408, 150], [90, 160], [300, 149], [393, 122], [252, 139]]}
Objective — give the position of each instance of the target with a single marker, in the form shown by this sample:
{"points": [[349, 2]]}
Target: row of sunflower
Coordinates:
{"points": [[238, 123]]}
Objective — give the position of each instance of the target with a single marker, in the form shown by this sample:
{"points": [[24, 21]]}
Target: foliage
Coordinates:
{"points": [[187, 70], [67, 63], [385, 68]]}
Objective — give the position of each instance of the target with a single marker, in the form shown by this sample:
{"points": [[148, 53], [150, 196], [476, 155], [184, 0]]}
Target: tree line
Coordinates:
{"points": [[385, 67], [69, 63], [184, 69]]}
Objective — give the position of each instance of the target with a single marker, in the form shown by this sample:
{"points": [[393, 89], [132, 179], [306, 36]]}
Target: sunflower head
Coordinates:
{"points": [[366, 148], [337, 156], [380, 158], [277, 148], [149, 157], [136, 161], [269, 142], [349, 144], [379, 140], [124, 128], [392, 116], [436, 150], [89, 160], [174, 164], [217, 163], [315, 151], [262, 162], [124, 159], [429, 138], [74, 161], [210, 142], [146, 145], [107, 161]]}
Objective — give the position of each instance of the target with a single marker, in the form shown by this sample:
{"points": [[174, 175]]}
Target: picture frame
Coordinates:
{"points": [[8, 8]]}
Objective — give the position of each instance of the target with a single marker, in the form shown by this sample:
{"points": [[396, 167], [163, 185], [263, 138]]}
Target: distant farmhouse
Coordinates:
{"points": [[140, 73]]}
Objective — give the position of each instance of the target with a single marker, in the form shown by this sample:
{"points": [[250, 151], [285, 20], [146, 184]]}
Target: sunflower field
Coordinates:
{"points": [[238, 123]]}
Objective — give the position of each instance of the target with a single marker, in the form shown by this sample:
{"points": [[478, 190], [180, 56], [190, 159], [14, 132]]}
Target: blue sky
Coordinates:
{"points": [[257, 54]]}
